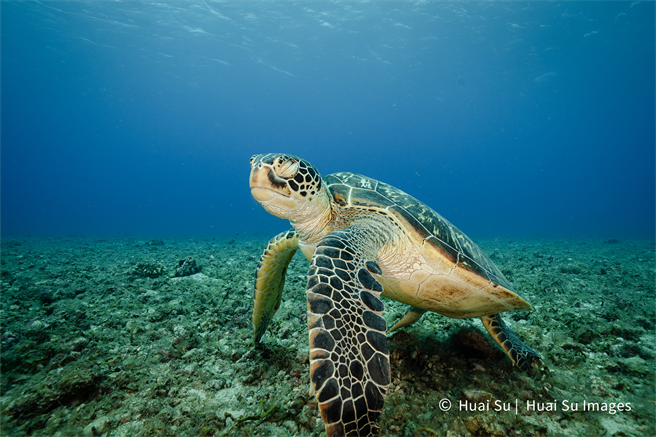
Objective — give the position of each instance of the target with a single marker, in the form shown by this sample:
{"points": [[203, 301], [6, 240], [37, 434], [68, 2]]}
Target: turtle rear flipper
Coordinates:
{"points": [[349, 358], [410, 317], [521, 355], [270, 280]]}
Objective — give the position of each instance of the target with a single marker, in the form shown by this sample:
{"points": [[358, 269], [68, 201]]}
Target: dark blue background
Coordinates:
{"points": [[508, 118]]}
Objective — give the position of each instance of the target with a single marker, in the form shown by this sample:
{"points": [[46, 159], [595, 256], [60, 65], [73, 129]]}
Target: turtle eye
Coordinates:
{"points": [[253, 159], [286, 168]]}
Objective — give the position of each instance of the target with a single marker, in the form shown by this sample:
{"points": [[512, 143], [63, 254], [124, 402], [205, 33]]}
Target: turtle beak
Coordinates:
{"points": [[267, 193], [255, 179], [259, 184]]}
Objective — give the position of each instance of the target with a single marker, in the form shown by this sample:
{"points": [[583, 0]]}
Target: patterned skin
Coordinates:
{"points": [[366, 239]]}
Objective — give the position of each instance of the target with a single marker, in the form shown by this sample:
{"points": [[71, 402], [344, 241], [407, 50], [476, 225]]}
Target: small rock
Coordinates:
{"points": [[187, 267], [97, 427], [637, 365], [37, 325], [179, 331], [217, 384], [78, 344], [148, 270], [291, 426], [46, 295], [477, 395]]}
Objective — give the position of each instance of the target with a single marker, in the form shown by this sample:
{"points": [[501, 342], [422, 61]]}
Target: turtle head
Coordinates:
{"points": [[288, 187]]}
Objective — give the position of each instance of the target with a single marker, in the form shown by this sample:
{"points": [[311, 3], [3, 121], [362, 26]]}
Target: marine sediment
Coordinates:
{"points": [[137, 337]]}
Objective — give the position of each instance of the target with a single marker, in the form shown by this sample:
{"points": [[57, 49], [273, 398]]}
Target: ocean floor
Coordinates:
{"points": [[136, 337]]}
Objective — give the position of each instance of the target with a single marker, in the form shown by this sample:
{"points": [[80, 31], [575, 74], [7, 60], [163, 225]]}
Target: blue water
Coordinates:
{"points": [[508, 118]]}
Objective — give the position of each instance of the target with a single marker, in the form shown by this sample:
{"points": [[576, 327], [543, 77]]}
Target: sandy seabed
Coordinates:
{"points": [[137, 337]]}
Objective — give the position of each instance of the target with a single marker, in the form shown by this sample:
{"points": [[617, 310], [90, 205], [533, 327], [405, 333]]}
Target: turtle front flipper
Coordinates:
{"points": [[349, 358], [270, 280], [521, 355]]}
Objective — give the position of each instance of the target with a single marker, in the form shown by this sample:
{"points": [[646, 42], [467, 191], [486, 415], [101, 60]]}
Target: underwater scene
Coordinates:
{"points": [[327, 218]]}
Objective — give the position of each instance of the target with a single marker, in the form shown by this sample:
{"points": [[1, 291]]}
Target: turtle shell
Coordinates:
{"points": [[421, 223]]}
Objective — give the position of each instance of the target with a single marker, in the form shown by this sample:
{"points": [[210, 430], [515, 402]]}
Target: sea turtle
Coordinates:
{"points": [[365, 239]]}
